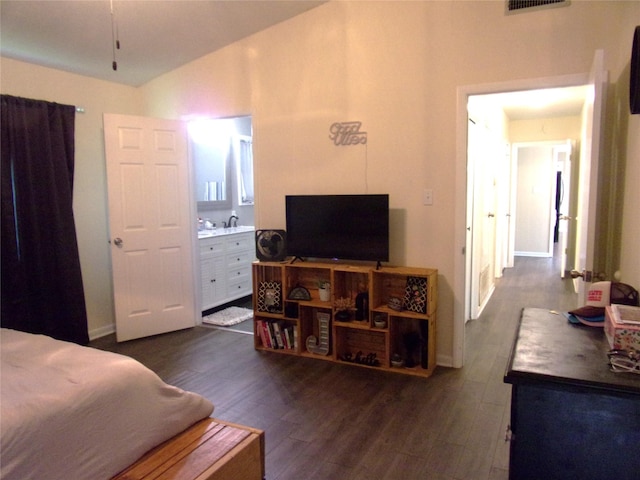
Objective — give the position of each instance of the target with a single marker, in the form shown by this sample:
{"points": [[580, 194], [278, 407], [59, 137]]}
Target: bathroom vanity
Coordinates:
{"points": [[226, 255]]}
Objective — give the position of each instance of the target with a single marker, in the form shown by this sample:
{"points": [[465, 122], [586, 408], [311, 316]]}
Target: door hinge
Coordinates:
{"points": [[508, 435]]}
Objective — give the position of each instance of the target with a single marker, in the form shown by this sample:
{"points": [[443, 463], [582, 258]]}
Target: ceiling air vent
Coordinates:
{"points": [[514, 6]]}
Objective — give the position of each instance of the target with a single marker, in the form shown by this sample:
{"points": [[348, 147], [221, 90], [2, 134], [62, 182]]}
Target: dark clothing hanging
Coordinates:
{"points": [[42, 289]]}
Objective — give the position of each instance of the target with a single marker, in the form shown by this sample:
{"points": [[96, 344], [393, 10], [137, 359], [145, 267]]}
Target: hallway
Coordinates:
{"points": [[532, 282]]}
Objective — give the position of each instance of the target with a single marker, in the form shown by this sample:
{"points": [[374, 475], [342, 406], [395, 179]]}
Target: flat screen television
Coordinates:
{"points": [[349, 227]]}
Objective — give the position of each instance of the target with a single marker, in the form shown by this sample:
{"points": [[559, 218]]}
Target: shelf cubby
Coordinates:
{"points": [[310, 325], [279, 335]]}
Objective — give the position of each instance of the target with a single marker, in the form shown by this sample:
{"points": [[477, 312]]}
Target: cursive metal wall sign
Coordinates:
{"points": [[347, 133]]}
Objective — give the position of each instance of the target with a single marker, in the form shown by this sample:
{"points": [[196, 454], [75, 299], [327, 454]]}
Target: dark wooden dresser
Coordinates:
{"points": [[571, 417]]}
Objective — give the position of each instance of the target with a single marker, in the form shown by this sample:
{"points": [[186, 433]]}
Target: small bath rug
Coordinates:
{"points": [[228, 316]]}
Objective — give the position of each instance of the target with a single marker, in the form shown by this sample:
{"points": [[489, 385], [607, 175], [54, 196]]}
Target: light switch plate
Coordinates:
{"points": [[427, 196]]}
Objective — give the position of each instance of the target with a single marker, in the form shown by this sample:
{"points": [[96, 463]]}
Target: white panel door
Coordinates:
{"points": [[588, 173], [535, 200], [481, 210], [150, 225], [566, 226]]}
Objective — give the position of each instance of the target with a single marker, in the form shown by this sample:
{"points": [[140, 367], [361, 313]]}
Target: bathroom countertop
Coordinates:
{"points": [[219, 232]]}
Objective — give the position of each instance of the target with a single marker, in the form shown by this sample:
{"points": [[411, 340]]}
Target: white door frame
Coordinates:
{"points": [[504, 211], [460, 222]]}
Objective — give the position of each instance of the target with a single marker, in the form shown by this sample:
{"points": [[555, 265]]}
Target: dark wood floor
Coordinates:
{"points": [[329, 421]]}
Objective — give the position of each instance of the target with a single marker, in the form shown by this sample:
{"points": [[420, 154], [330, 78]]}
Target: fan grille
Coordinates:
{"points": [[271, 245]]}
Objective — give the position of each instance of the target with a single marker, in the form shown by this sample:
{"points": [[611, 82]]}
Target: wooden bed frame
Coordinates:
{"points": [[209, 450]]}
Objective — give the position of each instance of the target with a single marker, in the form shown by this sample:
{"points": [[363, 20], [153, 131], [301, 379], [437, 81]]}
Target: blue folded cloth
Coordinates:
{"points": [[591, 321]]}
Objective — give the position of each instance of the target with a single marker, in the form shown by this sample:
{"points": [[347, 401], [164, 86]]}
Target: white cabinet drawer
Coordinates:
{"points": [[211, 246], [239, 271], [238, 288], [240, 242], [239, 259]]}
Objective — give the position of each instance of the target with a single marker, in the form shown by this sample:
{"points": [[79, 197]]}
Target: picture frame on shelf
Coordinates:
{"points": [[270, 297], [415, 297]]}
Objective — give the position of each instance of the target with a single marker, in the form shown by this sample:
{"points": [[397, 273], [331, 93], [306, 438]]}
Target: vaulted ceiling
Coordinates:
{"points": [[155, 36]]}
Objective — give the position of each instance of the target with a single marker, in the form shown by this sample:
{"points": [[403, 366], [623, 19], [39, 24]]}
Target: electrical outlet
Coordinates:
{"points": [[427, 196]]}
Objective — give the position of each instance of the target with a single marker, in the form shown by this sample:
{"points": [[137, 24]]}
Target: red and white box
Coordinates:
{"points": [[622, 327]]}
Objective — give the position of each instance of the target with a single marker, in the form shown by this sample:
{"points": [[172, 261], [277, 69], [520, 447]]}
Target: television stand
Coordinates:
{"points": [[376, 317]]}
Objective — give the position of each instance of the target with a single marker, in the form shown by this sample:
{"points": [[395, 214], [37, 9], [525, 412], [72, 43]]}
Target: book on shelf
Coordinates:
{"points": [[277, 333], [286, 334], [287, 338], [258, 330], [270, 335], [268, 332], [262, 331]]}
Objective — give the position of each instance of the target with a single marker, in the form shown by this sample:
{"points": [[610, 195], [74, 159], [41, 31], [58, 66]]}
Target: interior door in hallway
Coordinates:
{"points": [[150, 225], [588, 173], [535, 194], [566, 208], [482, 151]]}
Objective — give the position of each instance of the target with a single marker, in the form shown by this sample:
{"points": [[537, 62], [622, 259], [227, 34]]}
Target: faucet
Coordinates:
{"points": [[228, 224]]}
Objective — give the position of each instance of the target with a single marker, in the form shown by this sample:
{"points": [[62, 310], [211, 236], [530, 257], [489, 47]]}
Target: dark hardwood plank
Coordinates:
{"points": [[328, 421]]}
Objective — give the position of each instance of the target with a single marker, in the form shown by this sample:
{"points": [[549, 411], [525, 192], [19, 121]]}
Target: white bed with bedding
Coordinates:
{"points": [[71, 412]]}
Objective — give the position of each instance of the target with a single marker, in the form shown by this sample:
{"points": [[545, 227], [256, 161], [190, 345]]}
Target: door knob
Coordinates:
{"points": [[584, 274], [587, 275], [117, 242], [490, 215]]}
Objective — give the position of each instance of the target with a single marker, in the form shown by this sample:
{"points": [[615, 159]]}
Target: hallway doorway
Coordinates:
{"points": [[590, 151], [514, 144]]}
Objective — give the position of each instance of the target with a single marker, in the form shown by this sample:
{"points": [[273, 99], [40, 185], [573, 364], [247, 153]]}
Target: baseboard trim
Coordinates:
{"points": [[102, 332], [444, 360], [532, 254]]}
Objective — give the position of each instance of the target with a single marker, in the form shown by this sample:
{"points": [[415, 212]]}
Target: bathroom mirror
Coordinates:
{"points": [[244, 172], [218, 149]]}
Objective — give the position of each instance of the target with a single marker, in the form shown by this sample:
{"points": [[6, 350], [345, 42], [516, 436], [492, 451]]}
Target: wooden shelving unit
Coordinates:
{"points": [[405, 341]]}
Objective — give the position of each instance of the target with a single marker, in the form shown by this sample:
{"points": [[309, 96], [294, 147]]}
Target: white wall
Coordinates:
{"points": [[555, 129], [395, 66]]}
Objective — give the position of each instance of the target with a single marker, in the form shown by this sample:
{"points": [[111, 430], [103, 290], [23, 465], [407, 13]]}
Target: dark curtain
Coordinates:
{"points": [[42, 289]]}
